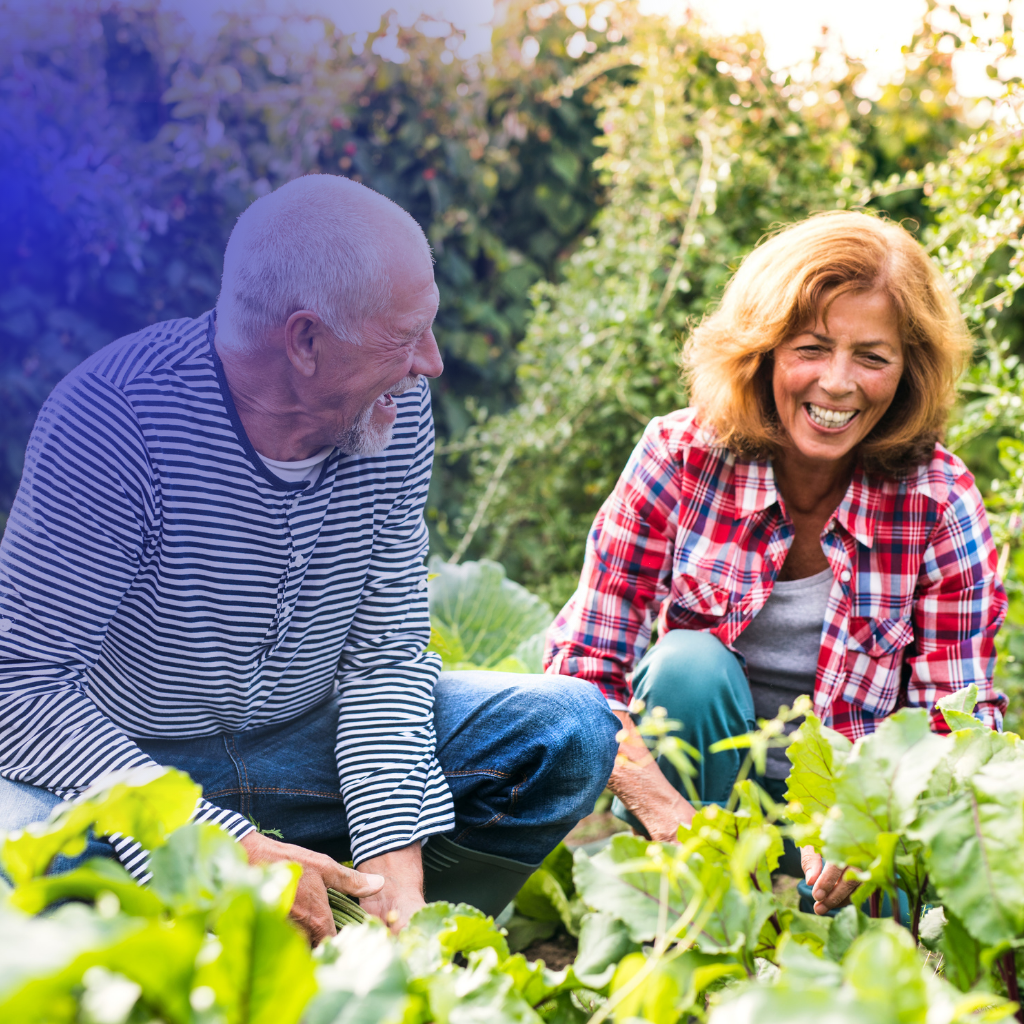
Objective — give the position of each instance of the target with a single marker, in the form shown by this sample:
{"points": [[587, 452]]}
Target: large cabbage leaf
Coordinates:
{"points": [[482, 619]]}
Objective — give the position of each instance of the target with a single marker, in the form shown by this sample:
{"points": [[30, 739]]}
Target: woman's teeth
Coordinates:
{"points": [[830, 417]]}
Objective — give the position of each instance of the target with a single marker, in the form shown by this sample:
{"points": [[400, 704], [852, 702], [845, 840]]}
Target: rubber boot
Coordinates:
{"points": [[459, 875]]}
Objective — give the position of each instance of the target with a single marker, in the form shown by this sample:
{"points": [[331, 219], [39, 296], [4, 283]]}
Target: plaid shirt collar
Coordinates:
{"points": [[756, 491]]}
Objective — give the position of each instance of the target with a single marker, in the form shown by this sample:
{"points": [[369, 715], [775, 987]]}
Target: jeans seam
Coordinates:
{"points": [[514, 797], [482, 771], [280, 789], [241, 772], [472, 828]]}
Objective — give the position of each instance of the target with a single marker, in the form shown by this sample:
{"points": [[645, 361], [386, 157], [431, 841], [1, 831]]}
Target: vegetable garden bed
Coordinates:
{"points": [[666, 932]]}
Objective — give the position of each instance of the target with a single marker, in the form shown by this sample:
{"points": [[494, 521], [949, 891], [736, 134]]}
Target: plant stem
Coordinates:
{"points": [[1008, 969], [875, 905], [915, 919]]}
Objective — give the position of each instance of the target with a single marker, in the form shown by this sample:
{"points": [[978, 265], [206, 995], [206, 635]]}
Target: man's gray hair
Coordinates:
{"points": [[320, 243]]}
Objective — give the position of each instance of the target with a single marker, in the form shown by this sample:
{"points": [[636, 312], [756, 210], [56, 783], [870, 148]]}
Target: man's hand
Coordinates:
{"points": [[639, 783], [402, 894], [311, 909], [829, 889]]}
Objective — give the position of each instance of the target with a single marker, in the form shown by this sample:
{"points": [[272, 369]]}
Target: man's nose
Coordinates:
{"points": [[427, 357]]}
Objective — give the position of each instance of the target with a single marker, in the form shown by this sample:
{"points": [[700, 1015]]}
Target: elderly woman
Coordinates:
{"points": [[800, 525]]}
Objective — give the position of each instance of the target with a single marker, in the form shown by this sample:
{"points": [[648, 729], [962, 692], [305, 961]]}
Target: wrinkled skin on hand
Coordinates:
{"points": [[311, 911], [829, 889]]}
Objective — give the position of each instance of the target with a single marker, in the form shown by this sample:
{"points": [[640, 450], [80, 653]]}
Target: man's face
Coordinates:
{"points": [[396, 349]]}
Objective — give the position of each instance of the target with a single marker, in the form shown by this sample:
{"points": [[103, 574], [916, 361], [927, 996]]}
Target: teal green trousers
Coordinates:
{"points": [[702, 685]]}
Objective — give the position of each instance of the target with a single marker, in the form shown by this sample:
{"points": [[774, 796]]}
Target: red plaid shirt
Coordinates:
{"points": [[913, 611]]}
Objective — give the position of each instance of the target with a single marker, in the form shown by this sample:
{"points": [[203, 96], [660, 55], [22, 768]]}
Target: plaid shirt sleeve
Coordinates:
{"points": [[606, 626], [959, 606]]}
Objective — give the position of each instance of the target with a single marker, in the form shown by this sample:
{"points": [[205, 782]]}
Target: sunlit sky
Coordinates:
{"points": [[872, 30]]}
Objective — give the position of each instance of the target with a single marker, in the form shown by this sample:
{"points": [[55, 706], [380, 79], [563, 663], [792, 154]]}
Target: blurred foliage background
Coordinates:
{"points": [[588, 187]]}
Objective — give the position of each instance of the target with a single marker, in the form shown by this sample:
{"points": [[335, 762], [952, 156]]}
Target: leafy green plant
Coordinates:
{"points": [[667, 933], [481, 619]]}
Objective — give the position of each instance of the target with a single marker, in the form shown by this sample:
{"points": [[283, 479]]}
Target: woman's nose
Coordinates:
{"points": [[837, 378]]}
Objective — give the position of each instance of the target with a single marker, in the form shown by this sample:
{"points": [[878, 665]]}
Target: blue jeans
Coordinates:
{"points": [[525, 758]]}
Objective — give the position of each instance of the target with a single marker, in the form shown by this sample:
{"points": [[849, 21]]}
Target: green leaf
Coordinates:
{"points": [[158, 956], [547, 894], [484, 993], [521, 932], [671, 988], [808, 930], [883, 980], [878, 786], [145, 803], [962, 700], [942, 932], [626, 881], [481, 616], [969, 750], [847, 926], [101, 874], [534, 981], [621, 881], [260, 969], [364, 982], [973, 848], [741, 840], [817, 754], [33, 948], [196, 865], [439, 930], [604, 941]]}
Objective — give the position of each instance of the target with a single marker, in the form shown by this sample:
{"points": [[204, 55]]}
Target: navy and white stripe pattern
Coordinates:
{"points": [[158, 581]]}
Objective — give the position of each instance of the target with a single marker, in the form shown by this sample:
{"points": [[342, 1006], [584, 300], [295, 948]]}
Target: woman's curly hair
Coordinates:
{"points": [[781, 288]]}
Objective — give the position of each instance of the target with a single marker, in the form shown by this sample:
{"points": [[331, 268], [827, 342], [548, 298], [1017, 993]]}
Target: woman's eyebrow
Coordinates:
{"points": [[861, 344]]}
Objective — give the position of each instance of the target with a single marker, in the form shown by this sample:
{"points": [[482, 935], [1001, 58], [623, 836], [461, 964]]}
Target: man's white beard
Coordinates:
{"points": [[364, 437], [367, 438]]}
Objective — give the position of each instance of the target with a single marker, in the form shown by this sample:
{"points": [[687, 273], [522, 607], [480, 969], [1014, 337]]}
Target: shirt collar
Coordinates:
{"points": [[755, 491], [858, 510], [754, 486]]}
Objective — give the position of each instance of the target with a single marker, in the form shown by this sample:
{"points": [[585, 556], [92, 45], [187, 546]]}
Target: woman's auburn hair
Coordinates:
{"points": [[779, 291]]}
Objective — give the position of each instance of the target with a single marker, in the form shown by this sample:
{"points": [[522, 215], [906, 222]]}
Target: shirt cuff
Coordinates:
{"points": [[134, 858]]}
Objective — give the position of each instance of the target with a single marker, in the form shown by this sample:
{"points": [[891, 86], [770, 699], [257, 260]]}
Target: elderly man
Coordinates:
{"points": [[215, 562]]}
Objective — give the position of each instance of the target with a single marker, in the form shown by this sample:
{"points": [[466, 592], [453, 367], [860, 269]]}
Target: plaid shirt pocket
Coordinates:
{"points": [[874, 662]]}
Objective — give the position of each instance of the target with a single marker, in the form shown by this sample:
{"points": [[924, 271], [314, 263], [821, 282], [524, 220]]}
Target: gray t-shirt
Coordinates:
{"points": [[781, 647]]}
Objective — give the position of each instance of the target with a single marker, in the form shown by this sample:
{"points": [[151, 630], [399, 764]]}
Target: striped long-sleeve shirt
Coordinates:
{"points": [[156, 580]]}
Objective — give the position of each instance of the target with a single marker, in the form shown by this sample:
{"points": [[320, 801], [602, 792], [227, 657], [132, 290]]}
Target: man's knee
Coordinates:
{"points": [[685, 664], [572, 719]]}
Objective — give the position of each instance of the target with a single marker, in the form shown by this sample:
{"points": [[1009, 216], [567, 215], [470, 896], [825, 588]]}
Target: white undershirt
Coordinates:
{"points": [[296, 472]]}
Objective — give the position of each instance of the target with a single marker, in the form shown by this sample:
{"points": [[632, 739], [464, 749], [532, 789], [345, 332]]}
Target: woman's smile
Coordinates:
{"points": [[829, 419]]}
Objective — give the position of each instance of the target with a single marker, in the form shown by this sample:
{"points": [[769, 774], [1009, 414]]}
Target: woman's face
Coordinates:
{"points": [[833, 384]]}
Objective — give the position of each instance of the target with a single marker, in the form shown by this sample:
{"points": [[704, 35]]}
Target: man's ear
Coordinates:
{"points": [[302, 339]]}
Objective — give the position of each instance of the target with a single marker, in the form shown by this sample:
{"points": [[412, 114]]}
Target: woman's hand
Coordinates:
{"points": [[828, 887], [639, 783]]}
